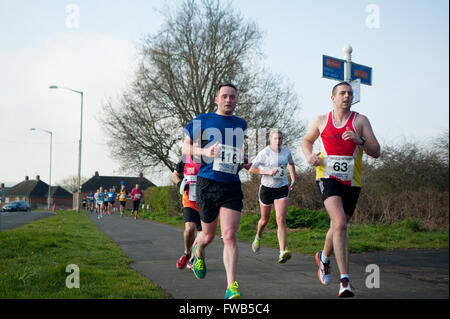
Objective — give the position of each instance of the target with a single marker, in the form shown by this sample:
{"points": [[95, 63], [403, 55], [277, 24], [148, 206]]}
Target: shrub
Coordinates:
{"points": [[411, 224], [163, 200], [248, 224], [408, 181], [306, 218]]}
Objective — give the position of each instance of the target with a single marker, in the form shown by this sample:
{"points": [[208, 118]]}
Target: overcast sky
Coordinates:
{"points": [[90, 46]]}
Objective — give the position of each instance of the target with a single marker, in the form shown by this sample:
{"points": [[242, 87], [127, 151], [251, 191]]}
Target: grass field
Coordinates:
{"points": [[34, 260]]}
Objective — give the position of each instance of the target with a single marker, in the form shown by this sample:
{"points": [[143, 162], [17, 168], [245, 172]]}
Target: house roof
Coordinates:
{"points": [[28, 188], [108, 182], [36, 188], [59, 192]]}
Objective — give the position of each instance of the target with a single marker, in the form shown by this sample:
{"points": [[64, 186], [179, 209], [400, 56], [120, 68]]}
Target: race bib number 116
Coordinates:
{"points": [[228, 161]]}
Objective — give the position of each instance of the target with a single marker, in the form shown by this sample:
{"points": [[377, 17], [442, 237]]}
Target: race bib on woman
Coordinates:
{"points": [[281, 173]]}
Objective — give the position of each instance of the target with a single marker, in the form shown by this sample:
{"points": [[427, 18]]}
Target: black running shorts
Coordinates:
{"points": [[212, 195], [331, 187], [192, 216], [267, 195]]}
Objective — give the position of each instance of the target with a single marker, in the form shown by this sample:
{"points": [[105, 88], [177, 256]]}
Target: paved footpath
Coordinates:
{"points": [[155, 248]]}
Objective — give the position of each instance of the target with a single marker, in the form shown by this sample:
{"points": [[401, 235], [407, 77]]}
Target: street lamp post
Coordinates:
{"points": [[79, 144], [50, 174]]}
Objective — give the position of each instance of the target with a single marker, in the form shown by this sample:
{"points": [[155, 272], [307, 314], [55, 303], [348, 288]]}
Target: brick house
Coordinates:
{"points": [[35, 193], [115, 182]]}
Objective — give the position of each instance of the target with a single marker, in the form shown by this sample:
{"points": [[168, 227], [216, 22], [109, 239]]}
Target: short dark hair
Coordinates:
{"points": [[225, 84], [333, 92]]}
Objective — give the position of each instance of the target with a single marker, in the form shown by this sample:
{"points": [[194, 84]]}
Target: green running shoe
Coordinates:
{"points": [[232, 292], [199, 266], [285, 255], [255, 245]]}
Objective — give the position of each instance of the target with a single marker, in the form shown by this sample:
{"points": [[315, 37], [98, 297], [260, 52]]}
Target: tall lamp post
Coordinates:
{"points": [[79, 145], [50, 174]]}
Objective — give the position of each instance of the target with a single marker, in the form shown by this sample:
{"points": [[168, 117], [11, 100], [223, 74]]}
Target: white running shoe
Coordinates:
{"points": [[345, 288], [324, 270], [285, 255]]}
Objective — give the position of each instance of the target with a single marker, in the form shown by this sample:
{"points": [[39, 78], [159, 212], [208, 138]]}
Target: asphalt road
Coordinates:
{"points": [[155, 248], [10, 220]]}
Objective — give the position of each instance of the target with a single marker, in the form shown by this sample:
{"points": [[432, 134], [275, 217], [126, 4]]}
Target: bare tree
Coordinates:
{"points": [[200, 45], [71, 183]]}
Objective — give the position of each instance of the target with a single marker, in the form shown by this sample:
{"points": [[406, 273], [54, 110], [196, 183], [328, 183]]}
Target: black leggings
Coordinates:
{"points": [[136, 205]]}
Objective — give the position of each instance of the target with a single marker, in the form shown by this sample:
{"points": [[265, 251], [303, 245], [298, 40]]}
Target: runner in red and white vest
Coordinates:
{"points": [[341, 161], [344, 135], [187, 186]]}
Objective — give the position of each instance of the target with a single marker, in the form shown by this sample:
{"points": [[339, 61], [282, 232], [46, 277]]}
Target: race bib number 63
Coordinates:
{"points": [[341, 167]]}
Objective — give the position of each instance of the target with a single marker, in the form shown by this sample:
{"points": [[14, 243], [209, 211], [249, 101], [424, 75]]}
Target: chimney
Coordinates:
{"points": [[141, 175], [26, 178], [96, 174], [38, 178]]}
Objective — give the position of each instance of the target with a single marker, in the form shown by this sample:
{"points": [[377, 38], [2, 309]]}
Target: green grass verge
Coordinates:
{"points": [[34, 258], [311, 227], [362, 238]]}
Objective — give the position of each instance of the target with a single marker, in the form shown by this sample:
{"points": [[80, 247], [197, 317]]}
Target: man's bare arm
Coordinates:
{"points": [[308, 141], [176, 178], [194, 149], [371, 146]]}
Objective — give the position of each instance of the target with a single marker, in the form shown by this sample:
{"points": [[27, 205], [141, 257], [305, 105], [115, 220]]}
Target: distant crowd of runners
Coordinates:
{"points": [[102, 201]]}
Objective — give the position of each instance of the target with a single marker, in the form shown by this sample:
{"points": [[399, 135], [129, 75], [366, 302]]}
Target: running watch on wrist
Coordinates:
{"points": [[363, 140]]}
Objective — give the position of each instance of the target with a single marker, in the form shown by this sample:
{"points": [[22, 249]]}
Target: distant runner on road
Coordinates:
{"points": [[136, 195], [91, 203], [111, 199], [122, 199], [100, 197]]}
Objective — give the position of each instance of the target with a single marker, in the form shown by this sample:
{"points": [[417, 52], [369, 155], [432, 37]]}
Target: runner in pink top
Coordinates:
{"points": [[136, 195]]}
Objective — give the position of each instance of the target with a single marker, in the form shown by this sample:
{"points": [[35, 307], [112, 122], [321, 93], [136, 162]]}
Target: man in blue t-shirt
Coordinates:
{"points": [[111, 198], [91, 201], [217, 139]]}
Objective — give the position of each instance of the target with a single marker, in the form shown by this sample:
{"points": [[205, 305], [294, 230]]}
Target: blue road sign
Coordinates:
{"points": [[333, 68], [362, 72]]}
